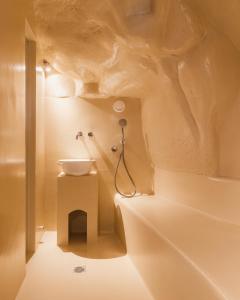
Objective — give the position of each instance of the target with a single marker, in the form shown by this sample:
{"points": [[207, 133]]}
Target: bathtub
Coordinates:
{"points": [[181, 253]]}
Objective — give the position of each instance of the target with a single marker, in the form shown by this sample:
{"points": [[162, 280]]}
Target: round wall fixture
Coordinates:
{"points": [[119, 106]]}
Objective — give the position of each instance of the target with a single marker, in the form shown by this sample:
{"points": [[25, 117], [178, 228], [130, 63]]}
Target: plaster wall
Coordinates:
{"points": [[187, 115], [63, 119], [182, 59], [12, 146], [222, 14], [191, 124], [230, 143]]}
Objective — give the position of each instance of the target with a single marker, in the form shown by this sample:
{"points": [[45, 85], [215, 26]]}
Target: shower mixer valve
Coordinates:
{"points": [[114, 148]]}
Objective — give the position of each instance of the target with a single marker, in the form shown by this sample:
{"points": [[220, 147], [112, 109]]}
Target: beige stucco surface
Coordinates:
{"points": [[77, 193], [173, 244], [180, 57], [12, 147], [64, 118], [109, 273], [13, 16], [178, 64]]}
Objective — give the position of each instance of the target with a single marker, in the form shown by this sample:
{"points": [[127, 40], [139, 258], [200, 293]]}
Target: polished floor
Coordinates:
{"points": [[107, 272]]}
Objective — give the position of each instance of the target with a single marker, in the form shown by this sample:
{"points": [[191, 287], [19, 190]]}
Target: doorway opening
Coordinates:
{"points": [[77, 226]]}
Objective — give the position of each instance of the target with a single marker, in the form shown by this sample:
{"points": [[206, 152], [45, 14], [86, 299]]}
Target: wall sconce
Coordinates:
{"points": [[46, 66]]}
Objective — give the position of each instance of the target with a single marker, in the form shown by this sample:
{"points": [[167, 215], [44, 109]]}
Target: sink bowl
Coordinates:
{"points": [[76, 167]]}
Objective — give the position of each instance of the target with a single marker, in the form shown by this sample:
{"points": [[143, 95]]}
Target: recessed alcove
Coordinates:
{"points": [[77, 226]]}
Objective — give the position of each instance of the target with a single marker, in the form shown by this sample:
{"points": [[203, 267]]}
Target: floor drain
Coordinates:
{"points": [[80, 269]]}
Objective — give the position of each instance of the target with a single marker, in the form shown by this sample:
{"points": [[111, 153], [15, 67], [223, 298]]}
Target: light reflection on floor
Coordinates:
{"points": [[109, 273]]}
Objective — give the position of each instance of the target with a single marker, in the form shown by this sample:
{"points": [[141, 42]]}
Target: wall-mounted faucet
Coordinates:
{"points": [[79, 134]]}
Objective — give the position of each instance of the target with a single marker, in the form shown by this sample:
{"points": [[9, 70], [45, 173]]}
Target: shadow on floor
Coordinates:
{"points": [[107, 246]]}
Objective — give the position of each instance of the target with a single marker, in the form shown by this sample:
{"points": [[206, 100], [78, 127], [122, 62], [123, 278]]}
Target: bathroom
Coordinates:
{"points": [[143, 94]]}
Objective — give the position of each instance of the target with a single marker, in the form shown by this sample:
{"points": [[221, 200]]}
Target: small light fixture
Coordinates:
{"points": [[46, 66], [39, 69]]}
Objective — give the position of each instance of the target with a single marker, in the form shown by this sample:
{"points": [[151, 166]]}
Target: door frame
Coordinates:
{"points": [[30, 139]]}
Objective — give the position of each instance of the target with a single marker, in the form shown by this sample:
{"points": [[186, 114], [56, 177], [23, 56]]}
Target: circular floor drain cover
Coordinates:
{"points": [[80, 269]]}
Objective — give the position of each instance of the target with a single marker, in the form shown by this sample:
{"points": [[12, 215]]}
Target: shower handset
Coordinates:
{"points": [[123, 123]]}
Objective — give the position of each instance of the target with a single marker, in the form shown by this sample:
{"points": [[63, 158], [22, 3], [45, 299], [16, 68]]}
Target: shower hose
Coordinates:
{"points": [[122, 158]]}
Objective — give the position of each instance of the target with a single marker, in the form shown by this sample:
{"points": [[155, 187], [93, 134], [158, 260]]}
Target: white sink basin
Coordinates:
{"points": [[76, 167]]}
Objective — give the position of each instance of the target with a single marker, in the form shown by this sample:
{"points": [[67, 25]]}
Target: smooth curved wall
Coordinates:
{"points": [[187, 113], [181, 57], [12, 146], [191, 122]]}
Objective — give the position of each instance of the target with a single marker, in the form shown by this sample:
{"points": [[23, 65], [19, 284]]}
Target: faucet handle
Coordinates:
{"points": [[79, 134], [90, 134]]}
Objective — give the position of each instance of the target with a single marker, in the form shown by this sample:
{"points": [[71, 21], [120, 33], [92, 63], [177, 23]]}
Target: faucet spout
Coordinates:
{"points": [[79, 134]]}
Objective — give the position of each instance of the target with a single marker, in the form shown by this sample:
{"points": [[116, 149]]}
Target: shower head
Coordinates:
{"points": [[122, 122]]}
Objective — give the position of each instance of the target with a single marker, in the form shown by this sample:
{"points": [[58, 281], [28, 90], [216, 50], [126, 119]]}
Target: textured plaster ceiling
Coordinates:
{"points": [[180, 56], [120, 43], [112, 41]]}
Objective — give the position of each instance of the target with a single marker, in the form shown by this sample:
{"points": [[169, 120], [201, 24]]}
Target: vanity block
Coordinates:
{"points": [[77, 193]]}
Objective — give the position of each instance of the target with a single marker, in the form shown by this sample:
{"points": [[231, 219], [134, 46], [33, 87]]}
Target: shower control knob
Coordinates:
{"points": [[114, 148]]}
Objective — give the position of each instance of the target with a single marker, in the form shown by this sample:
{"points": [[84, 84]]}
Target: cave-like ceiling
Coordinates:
{"points": [[120, 43]]}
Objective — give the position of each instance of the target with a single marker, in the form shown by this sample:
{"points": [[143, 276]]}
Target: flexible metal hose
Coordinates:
{"points": [[122, 158]]}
